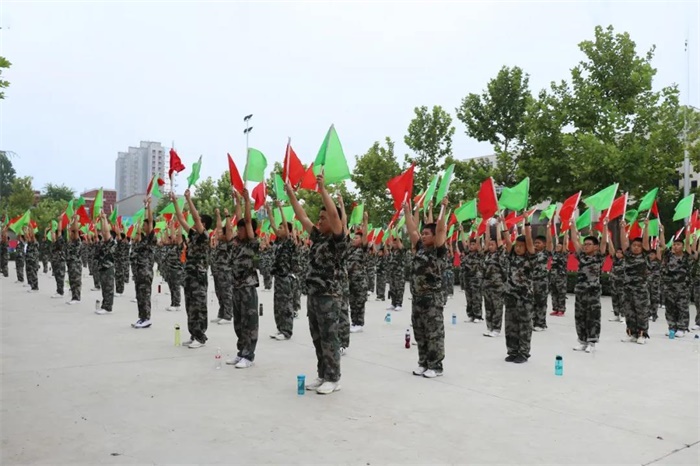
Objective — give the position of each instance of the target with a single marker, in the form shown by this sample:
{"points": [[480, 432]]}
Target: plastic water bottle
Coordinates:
{"points": [[671, 334], [177, 334], [260, 310], [217, 359], [387, 318], [158, 288], [301, 384], [558, 365], [97, 304], [454, 319], [408, 338]]}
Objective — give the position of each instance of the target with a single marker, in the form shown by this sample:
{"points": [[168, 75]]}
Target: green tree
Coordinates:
{"points": [[205, 198], [430, 138], [4, 63], [21, 197], [47, 210], [467, 178], [7, 175], [58, 192], [372, 171]]}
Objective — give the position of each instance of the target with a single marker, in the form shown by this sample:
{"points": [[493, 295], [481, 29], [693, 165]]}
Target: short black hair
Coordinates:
{"points": [[323, 209], [253, 224], [638, 239], [677, 240], [541, 238], [206, 221], [113, 234], [472, 240], [123, 235], [430, 226], [520, 239], [592, 239], [290, 227]]}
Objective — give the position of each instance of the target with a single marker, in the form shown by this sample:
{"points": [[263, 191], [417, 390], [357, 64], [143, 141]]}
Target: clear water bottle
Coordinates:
{"points": [[558, 365], [217, 359], [454, 319], [177, 334], [387, 318], [98, 304]]}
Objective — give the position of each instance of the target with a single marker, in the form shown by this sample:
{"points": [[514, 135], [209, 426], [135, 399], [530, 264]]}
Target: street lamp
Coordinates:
{"points": [[247, 130], [686, 159]]}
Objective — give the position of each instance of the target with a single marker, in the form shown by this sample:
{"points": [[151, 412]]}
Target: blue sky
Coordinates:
{"points": [[90, 79]]}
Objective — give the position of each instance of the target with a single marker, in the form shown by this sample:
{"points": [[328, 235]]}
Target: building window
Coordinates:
{"points": [[694, 184]]}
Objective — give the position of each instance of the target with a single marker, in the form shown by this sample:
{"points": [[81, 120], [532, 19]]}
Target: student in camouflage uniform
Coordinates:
{"points": [[73, 261], [44, 252], [381, 268], [327, 245], [540, 280], [519, 299], [654, 284], [371, 267], [448, 277], [297, 272], [4, 253], [282, 269], [396, 273], [357, 274], [427, 305], [344, 280], [588, 289], [471, 271], [85, 254], [636, 296], [266, 259], [105, 265], [96, 247], [121, 266], [196, 265], [494, 272], [221, 269], [173, 266], [32, 260], [58, 260], [557, 276], [19, 259], [676, 274], [144, 252], [617, 282]]}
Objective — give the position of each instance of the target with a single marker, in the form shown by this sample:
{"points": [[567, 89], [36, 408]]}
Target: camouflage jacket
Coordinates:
{"points": [[73, 250], [171, 260], [397, 263], [636, 267], [519, 273], [58, 250], [32, 255], [589, 268], [44, 249], [267, 257], [104, 254], [495, 265], [325, 257], [284, 258], [123, 249], [676, 269], [654, 269], [19, 251], [221, 257], [197, 261], [243, 262], [472, 264], [356, 261], [540, 273], [427, 266], [559, 262], [144, 255]]}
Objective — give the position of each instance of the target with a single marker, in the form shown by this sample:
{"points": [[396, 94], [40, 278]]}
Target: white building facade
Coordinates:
{"points": [[135, 168]]}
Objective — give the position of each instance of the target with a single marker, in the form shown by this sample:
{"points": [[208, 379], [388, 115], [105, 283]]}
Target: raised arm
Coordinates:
{"points": [[604, 240], [272, 218], [106, 237], [219, 225], [661, 247], [283, 230], [365, 223], [343, 214], [229, 225], [645, 237], [624, 240], [248, 220], [441, 228], [527, 231], [574, 235], [148, 227], [178, 212], [193, 212], [337, 225], [411, 225], [550, 243], [298, 209], [505, 233]]}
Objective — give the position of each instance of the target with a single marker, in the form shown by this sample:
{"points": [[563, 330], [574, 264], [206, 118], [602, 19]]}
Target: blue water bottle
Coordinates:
{"points": [[387, 318], [671, 334], [301, 384], [454, 319], [558, 365]]}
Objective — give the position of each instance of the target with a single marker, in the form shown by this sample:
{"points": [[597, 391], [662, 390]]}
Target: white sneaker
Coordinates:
{"points": [[356, 329], [32, 291], [274, 335], [327, 388], [343, 351], [680, 334], [195, 344], [101, 312], [615, 319], [118, 295], [495, 334], [243, 364], [315, 384], [280, 337], [94, 289], [431, 374], [186, 343], [641, 341], [537, 329], [56, 296], [73, 302], [629, 339], [478, 319], [216, 320], [172, 308], [487, 333], [234, 361], [581, 347], [134, 300], [590, 348], [420, 370], [224, 322], [142, 324], [695, 327], [390, 307], [398, 309]]}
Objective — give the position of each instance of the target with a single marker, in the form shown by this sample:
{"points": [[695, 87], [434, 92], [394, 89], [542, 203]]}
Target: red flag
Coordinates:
{"points": [[175, 163], [394, 219], [635, 231], [567, 211], [487, 201], [130, 231], [370, 236], [482, 227], [693, 223], [378, 239], [617, 209], [83, 215], [309, 180], [236, 180], [513, 218], [401, 187], [65, 221], [655, 209], [293, 169], [453, 220], [553, 229], [259, 195]]}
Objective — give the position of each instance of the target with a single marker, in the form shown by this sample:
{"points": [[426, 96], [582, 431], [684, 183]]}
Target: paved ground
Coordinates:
{"points": [[78, 388]]}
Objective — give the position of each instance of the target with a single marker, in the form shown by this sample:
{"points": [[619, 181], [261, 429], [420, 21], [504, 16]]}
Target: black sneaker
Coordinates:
{"points": [[520, 359], [510, 358]]}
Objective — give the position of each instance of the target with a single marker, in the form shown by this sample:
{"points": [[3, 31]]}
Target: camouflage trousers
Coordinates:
{"points": [[245, 320], [84, 260], [267, 278], [371, 275], [96, 275], [587, 314], [323, 325], [397, 286], [196, 285], [540, 288], [654, 295], [296, 293], [618, 296], [45, 264], [557, 286], [59, 273], [3, 265], [448, 282], [121, 272], [107, 287], [357, 300], [473, 295], [429, 330], [32, 276], [144, 287], [75, 278], [696, 290], [223, 287], [677, 306], [381, 286], [284, 304], [493, 304], [636, 307], [518, 323], [19, 266], [344, 315], [174, 280]]}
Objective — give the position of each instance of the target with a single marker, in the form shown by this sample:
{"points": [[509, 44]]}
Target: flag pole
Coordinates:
{"points": [[285, 167]]}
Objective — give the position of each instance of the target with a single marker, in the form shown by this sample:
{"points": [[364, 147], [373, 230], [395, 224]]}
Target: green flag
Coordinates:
{"points": [[255, 166], [162, 226], [80, 202], [684, 208], [113, 217], [69, 210], [648, 200], [97, 205], [265, 228], [631, 216], [194, 176], [170, 208], [445, 183], [430, 193], [138, 216], [279, 188], [356, 215], [584, 220], [21, 222], [549, 211], [288, 214], [400, 223], [452, 230], [515, 198], [466, 211], [332, 159], [603, 199], [654, 227]]}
